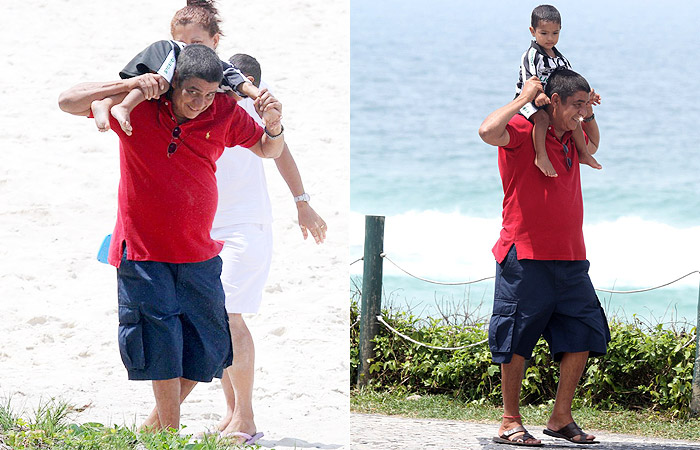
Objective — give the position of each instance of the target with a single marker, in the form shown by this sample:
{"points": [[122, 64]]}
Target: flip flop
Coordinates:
{"points": [[248, 438], [503, 439], [569, 432]]}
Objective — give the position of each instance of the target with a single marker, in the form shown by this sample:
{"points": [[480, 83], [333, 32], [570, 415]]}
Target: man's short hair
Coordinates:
{"points": [[566, 83], [198, 61], [544, 13], [248, 65]]}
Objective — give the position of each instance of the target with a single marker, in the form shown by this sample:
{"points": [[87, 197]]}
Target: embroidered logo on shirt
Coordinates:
{"points": [[208, 134]]}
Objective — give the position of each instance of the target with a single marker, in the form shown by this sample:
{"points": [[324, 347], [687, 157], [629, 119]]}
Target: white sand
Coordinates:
{"points": [[58, 183]]}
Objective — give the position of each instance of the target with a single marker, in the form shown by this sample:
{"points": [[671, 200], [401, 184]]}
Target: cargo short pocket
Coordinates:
{"points": [[501, 326], [131, 338]]}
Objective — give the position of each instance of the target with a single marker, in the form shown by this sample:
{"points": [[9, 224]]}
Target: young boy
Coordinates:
{"points": [[540, 60], [159, 58]]}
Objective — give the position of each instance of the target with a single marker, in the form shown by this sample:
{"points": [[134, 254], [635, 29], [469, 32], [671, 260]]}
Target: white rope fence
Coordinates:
{"points": [[457, 283], [381, 320]]}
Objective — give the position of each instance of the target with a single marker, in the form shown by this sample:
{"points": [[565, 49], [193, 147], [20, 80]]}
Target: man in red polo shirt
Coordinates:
{"points": [[542, 283], [173, 326]]}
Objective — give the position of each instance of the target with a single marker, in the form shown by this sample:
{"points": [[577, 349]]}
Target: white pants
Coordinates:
{"points": [[246, 257]]}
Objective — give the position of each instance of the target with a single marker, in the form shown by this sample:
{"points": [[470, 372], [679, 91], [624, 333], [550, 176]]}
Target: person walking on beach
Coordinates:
{"points": [[243, 221], [542, 285], [173, 326]]}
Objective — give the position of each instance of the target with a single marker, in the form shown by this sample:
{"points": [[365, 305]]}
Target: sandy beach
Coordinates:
{"points": [[58, 186]]}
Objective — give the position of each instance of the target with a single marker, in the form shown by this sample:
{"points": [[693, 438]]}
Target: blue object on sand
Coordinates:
{"points": [[104, 249]]}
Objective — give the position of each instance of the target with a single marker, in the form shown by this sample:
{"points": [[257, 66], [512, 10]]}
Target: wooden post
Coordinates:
{"points": [[371, 304], [695, 399]]}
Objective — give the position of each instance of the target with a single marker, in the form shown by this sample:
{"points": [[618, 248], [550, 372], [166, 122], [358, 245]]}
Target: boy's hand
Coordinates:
{"points": [[151, 84], [270, 109], [542, 100], [310, 221], [594, 99], [531, 88]]}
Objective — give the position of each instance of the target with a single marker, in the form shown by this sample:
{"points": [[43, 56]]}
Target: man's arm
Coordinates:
{"points": [[77, 100], [309, 220], [493, 129], [271, 144], [591, 127]]}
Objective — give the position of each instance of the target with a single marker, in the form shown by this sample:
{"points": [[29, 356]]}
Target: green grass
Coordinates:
{"points": [[50, 426], [640, 423]]}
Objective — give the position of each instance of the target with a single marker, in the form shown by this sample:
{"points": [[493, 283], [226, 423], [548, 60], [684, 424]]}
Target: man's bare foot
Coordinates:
{"points": [[225, 421], [246, 426], [545, 165], [100, 111], [122, 115], [588, 159]]}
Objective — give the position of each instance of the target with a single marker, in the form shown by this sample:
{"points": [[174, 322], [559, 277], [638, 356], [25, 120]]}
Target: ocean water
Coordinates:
{"points": [[423, 78]]}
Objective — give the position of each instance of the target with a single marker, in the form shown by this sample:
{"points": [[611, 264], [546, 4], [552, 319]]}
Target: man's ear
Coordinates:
{"points": [[555, 99]]}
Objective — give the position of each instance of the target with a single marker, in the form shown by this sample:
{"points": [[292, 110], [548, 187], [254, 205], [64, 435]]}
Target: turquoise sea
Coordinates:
{"points": [[424, 76]]}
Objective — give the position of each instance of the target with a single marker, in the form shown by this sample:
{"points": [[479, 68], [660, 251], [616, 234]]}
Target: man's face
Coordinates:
{"points": [[566, 116], [192, 97]]}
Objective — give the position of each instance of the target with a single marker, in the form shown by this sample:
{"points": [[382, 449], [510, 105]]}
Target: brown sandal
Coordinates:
{"points": [[520, 440], [569, 432]]}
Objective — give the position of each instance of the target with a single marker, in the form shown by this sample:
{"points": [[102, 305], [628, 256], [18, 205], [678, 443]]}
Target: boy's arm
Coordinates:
{"points": [[77, 100], [240, 84], [309, 220], [493, 129]]}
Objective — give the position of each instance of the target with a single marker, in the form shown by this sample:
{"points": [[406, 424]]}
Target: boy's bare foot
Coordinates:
{"points": [[246, 426], [545, 165], [588, 159], [100, 111], [122, 115]]}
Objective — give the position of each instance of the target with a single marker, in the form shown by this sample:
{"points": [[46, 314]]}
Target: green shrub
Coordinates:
{"points": [[644, 368]]}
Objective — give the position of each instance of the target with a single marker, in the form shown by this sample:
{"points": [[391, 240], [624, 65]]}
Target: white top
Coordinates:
{"points": [[241, 181]]}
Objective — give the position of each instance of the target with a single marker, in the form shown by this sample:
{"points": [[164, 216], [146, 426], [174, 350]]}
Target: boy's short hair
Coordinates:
{"points": [[566, 83], [198, 61], [544, 13], [248, 66]]}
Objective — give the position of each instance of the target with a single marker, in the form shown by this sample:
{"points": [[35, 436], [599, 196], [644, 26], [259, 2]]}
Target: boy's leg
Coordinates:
{"points": [[539, 134], [100, 110], [230, 397], [241, 375], [122, 111], [584, 157]]}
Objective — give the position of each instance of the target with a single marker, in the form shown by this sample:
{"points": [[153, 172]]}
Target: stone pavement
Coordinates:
{"points": [[377, 432]]}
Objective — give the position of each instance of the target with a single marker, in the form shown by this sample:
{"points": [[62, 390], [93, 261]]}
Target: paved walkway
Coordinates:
{"points": [[376, 432]]}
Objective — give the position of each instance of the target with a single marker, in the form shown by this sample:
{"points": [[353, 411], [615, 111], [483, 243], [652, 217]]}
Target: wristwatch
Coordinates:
{"points": [[302, 198]]}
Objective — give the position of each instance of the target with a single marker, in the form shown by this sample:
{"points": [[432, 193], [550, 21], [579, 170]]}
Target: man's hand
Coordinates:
{"points": [[531, 88], [594, 98], [270, 109], [151, 84], [309, 221]]}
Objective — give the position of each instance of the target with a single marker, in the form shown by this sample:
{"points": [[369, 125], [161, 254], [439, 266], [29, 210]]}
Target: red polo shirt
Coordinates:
{"points": [[542, 216], [167, 204]]}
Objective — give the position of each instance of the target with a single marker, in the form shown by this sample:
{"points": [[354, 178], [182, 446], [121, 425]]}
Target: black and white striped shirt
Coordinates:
{"points": [[536, 62]]}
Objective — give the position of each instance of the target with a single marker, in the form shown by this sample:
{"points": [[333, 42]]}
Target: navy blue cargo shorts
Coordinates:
{"points": [[172, 320], [553, 299]]}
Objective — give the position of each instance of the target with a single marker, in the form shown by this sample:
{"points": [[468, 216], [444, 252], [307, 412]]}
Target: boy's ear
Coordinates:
{"points": [[251, 78], [532, 31]]}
